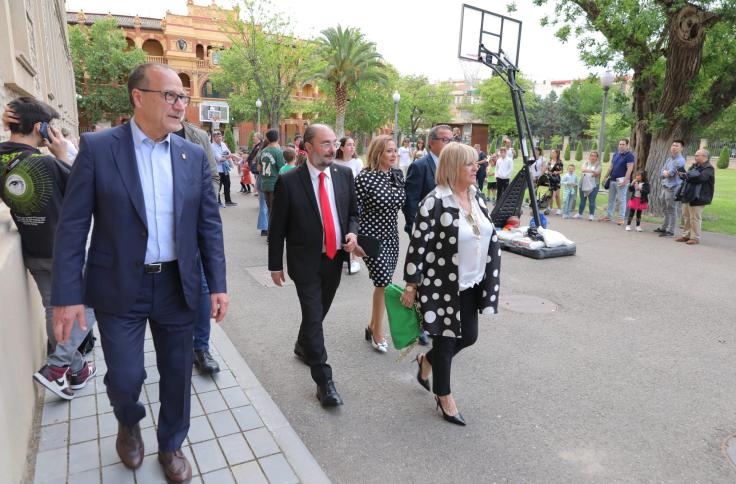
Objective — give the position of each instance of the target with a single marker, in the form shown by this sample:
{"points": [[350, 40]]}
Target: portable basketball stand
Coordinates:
{"points": [[494, 40]]}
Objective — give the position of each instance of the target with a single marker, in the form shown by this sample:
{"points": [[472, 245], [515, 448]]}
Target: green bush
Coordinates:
{"points": [[541, 145], [579, 151], [595, 146], [607, 155], [566, 156], [517, 151], [230, 139], [723, 158]]}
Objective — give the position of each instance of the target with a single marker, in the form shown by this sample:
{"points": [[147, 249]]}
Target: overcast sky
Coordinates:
{"points": [[418, 37]]}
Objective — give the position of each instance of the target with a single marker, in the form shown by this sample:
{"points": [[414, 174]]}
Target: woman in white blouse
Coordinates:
{"points": [[347, 156], [452, 267]]}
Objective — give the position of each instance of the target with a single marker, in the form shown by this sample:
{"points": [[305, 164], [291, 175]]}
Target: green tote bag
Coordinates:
{"points": [[404, 322]]}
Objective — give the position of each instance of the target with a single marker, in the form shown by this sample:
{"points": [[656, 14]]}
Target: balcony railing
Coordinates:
{"points": [[159, 59], [201, 64]]}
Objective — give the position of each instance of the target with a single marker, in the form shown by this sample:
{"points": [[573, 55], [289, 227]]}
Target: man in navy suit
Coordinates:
{"points": [[155, 217], [420, 177]]}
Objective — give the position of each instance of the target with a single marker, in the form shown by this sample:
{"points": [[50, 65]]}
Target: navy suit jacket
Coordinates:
{"points": [[420, 180], [104, 183]]}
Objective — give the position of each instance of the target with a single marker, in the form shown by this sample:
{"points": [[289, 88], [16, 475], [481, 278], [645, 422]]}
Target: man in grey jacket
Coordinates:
{"points": [[670, 183]]}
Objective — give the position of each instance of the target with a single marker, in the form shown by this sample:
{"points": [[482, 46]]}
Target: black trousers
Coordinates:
{"points": [[631, 216], [315, 299], [444, 348], [501, 185], [225, 185]]}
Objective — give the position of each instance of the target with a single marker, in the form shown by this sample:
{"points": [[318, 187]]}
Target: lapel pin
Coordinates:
{"points": [[183, 156]]}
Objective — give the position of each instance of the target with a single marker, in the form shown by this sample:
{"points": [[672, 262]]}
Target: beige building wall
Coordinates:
{"points": [[34, 61]]}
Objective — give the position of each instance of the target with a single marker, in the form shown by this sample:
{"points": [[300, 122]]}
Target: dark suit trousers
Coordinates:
{"points": [[445, 348], [501, 186], [315, 298], [161, 301], [225, 185]]}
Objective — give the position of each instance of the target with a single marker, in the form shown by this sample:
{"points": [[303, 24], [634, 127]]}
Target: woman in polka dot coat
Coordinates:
{"points": [[380, 191], [452, 266]]}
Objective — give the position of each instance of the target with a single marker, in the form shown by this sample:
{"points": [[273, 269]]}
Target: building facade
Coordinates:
{"points": [[192, 44]]}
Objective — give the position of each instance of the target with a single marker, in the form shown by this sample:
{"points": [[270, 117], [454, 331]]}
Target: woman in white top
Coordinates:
{"points": [[405, 156], [589, 185], [419, 151], [346, 156], [452, 267]]}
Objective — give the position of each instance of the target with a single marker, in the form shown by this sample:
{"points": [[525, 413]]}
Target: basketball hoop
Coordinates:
{"points": [[214, 117]]}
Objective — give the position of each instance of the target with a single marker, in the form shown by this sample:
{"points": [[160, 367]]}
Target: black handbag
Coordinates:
{"points": [[607, 182]]}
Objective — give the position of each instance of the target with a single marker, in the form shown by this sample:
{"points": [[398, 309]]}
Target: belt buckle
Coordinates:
{"points": [[154, 268]]}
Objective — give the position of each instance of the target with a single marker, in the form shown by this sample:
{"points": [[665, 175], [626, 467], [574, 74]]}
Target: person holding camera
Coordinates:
{"points": [[696, 194]]}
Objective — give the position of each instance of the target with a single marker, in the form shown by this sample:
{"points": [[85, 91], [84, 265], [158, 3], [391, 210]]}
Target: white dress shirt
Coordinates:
{"points": [[314, 176], [157, 182], [472, 250], [504, 167]]}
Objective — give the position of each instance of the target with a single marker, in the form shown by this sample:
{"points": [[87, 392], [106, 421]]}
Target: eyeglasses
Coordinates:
{"points": [[170, 96], [444, 140]]}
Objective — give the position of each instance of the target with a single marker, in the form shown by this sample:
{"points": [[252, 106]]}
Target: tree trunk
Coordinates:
{"points": [[341, 101]]}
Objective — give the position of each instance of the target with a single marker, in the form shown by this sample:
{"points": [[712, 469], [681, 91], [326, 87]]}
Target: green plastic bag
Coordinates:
{"points": [[403, 322]]}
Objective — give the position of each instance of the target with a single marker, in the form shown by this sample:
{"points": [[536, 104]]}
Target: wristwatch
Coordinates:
{"points": [[410, 288]]}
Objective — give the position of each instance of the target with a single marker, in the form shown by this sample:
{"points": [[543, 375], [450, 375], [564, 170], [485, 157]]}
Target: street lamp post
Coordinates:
{"points": [[606, 83], [397, 98], [258, 119]]}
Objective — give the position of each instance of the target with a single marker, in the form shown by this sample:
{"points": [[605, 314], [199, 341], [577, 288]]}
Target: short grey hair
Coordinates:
{"points": [[311, 131], [433, 131], [705, 152]]}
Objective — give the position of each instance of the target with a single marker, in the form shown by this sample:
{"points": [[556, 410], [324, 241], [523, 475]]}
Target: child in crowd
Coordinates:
{"points": [[290, 159], [639, 189], [491, 177], [569, 184], [246, 177]]}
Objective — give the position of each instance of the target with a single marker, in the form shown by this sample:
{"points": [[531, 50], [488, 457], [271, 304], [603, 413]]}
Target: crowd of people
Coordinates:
{"points": [[156, 255]]}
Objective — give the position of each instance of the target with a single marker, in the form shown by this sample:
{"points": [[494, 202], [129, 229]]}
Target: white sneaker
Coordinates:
{"points": [[577, 215], [591, 218], [558, 212], [638, 229], [565, 216], [628, 228], [354, 267]]}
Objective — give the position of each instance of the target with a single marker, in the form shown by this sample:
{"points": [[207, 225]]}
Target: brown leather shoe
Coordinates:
{"points": [[129, 445], [176, 466], [693, 242], [682, 239]]}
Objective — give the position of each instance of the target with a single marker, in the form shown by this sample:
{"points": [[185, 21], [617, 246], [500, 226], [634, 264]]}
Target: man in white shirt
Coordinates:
{"points": [[504, 168]]}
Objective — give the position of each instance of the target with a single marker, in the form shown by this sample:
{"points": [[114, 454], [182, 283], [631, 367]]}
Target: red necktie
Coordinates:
{"points": [[327, 221]]}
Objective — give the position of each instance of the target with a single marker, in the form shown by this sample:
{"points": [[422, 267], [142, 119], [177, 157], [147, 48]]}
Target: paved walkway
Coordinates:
{"points": [[237, 433]]}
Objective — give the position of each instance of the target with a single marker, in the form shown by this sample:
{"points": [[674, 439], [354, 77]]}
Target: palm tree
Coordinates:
{"points": [[347, 58]]}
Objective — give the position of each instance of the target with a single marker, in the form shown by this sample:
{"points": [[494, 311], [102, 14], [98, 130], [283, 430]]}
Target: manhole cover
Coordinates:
{"points": [[528, 304]]}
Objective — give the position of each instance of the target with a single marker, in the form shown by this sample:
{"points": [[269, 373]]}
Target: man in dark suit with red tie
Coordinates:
{"points": [[315, 211]]}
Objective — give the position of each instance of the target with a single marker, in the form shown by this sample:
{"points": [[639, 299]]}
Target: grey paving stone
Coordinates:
{"points": [[84, 456], [236, 449], [51, 466], [83, 429], [149, 359], [223, 476], [147, 421], [152, 375], [107, 424], [203, 383], [234, 397], [212, 402], [108, 454], [83, 407], [151, 392], [55, 412], [117, 474], [277, 470], [54, 436], [150, 471], [101, 387], [200, 430], [89, 389], [187, 450], [148, 346], [209, 456], [223, 423], [150, 441], [49, 396], [153, 410], [91, 476], [99, 354], [224, 379], [196, 408], [261, 441], [247, 417], [220, 361], [249, 473], [103, 403]]}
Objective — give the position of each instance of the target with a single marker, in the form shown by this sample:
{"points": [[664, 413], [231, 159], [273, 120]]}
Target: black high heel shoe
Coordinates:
{"points": [[422, 381], [456, 419]]}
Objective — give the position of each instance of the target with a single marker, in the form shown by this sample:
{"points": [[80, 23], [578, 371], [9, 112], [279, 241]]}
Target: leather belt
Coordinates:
{"points": [[158, 267]]}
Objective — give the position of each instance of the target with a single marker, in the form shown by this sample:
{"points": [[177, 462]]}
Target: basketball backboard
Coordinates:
{"points": [[498, 34]]}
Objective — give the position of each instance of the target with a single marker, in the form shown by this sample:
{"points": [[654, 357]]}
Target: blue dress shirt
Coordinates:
{"points": [[157, 181]]}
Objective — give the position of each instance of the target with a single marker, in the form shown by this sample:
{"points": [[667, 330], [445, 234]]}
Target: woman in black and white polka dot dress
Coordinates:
{"points": [[380, 191], [452, 266]]}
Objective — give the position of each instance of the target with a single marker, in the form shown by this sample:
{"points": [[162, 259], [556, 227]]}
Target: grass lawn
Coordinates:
{"points": [[719, 216]]}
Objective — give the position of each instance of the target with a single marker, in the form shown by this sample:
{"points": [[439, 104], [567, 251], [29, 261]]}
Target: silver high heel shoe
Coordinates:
{"points": [[381, 347]]}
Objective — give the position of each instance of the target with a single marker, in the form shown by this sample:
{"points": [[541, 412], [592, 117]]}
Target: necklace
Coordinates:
{"points": [[470, 215]]}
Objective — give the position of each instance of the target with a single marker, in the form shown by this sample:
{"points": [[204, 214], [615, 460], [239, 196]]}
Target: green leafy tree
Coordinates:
{"points": [[347, 58], [101, 67], [595, 145], [723, 128], [607, 155], [265, 61], [566, 156], [616, 127], [229, 138], [579, 151], [681, 55], [723, 158], [422, 104], [544, 117], [496, 109]]}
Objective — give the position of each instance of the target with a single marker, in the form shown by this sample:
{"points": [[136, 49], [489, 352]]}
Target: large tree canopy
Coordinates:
{"points": [[496, 108], [101, 67], [422, 104], [681, 54]]}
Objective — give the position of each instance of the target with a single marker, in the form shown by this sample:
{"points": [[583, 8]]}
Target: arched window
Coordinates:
{"points": [[200, 52], [307, 90], [130, 42], [208, 90], [153, 47], [185, 80]]}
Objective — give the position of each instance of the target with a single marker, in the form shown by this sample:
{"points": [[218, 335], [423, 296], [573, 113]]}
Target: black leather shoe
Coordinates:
{"points": [[299, 352], [659, 230], [666, 234], [424, 338], [424, 382], [204, 361], [457, 419], [328, 396]]}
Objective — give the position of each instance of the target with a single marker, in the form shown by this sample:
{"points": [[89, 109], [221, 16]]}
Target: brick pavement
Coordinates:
{"points": [[237, 434]]}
